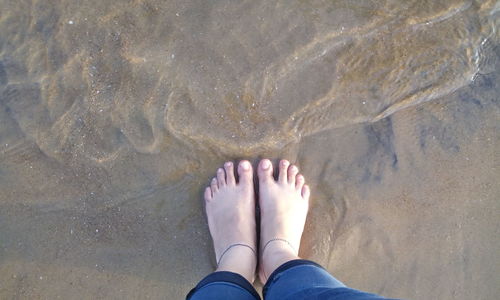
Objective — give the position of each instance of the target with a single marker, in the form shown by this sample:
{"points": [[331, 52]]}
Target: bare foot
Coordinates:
{"points": [[283, 206], [231, 218]]}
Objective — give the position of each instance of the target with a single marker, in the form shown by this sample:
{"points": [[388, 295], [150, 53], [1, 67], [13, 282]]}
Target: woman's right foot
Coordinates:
{"points": [[283, 205]]}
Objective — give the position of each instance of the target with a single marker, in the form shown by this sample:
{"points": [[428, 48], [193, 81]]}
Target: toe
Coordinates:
{"points": [[230, 180], [282, 176], [221, 177], [292, 173], [299, 182], [208, 194], [214, 186], [245, 172], [306, 192], [265, 170]]}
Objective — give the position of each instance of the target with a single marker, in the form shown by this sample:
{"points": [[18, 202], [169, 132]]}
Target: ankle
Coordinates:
{"points": [[276, 254], [240, 260]]}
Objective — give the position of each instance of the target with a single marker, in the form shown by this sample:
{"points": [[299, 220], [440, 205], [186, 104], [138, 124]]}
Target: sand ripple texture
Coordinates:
{"points": [[90, 79], [115, 114]]}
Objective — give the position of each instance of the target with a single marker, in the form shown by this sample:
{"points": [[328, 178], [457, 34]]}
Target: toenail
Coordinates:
{"points": [[266, 164], [219, 170], [294, 169], [284, 163], [245, 165], [228, 164]]}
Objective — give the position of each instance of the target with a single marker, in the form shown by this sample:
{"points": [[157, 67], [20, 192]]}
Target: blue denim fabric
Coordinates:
{"points": [[296, 279], [298, 276], [223, 285]]}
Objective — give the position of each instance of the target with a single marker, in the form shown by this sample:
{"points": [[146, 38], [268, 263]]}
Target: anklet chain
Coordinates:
{"points": [[234, 245], [280, 240]]}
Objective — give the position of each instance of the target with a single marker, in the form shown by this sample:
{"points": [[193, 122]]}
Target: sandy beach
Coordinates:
{"points": [[114, 116]]}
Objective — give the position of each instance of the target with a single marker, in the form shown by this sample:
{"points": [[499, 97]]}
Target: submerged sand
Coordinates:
{"points": [[115, 114]]}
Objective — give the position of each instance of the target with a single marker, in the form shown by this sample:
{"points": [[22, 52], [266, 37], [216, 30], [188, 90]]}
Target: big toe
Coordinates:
{"points": [[265, 170], [245, 172]]}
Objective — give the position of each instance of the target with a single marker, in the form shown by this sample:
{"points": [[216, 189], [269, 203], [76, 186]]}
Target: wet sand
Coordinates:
{"points": [[115, 115]]}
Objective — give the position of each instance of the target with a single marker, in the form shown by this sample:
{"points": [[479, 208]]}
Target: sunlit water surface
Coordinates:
{"points": [[115, 114]]}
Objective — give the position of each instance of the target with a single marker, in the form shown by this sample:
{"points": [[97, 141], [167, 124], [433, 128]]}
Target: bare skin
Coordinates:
{"points": [[283, 204], [230, 207]]}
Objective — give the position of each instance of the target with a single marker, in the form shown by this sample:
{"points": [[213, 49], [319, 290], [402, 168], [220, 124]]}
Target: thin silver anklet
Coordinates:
{"points": [[278, 239], [234, 245]]}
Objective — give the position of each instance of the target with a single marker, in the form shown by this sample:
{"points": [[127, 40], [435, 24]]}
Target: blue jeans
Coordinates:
{"points": [[296, 279]]}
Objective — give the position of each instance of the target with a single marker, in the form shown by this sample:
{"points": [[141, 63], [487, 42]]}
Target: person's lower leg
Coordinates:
{"points": [[230, 208], [284, 204]]}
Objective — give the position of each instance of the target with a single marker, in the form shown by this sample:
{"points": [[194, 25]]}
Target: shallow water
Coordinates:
{"points": [[115, 114]]}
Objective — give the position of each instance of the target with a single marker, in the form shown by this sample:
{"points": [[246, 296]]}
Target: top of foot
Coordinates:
{"points": [[230, 207], [284, 204]]}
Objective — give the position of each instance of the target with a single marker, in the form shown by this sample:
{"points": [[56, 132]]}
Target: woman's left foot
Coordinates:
{"points": [[230, 207]]}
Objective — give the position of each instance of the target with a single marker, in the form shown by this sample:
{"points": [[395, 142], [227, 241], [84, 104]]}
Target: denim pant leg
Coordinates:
{"points": [[303, 279], [296, 276], [223, 285]]}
